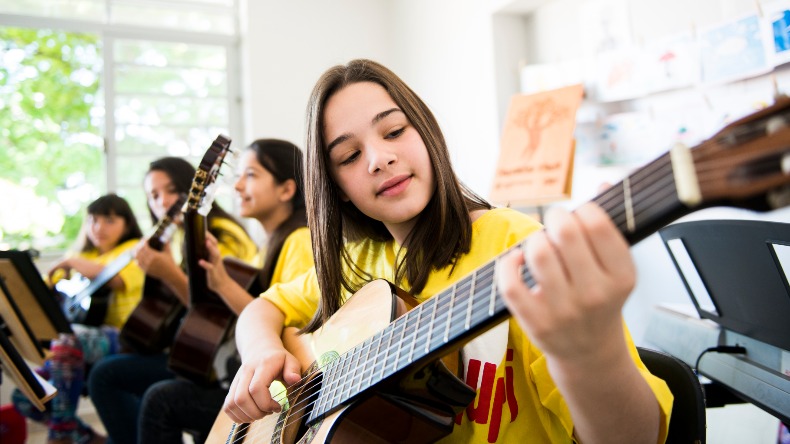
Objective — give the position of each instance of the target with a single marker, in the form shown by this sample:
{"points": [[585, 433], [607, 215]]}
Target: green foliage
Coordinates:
{"points": [[50, 138]]}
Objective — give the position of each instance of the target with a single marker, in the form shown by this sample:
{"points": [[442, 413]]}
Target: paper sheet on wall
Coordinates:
{"points": [[535, 163]]}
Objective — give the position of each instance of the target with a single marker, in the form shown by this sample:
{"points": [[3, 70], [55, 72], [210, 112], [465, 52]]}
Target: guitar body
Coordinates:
{"points": [[86, 301], [203, 330], [81, 307], [416, 406], [206, 326], [153, 323]]}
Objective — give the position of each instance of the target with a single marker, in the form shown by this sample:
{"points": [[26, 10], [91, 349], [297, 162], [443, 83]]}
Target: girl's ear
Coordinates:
{"points": [[287, 190]]}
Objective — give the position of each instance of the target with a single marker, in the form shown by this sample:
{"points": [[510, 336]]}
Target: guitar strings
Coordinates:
{"points": [[606, 201]]}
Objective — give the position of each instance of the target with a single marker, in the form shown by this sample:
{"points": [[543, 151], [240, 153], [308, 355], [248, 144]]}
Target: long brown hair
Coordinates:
{"points": [[283, 160], [443, 231]]}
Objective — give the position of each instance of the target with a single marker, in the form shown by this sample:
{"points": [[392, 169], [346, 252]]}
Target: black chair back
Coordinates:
{"points": [[687, 424]]}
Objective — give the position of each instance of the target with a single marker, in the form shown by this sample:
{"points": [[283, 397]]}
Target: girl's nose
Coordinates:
{"points": [[380, 159]]}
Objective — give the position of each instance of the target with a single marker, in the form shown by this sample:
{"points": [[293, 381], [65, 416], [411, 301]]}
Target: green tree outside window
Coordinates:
{"points": [[51, 145]]}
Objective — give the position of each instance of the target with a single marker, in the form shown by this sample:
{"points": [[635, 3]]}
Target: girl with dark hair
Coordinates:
{"points": [[166, 180], [110, 230], [270, 190], [383, 203]]}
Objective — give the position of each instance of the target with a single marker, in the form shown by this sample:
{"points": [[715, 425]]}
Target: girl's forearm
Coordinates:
{"points": [[260, 325], [608, 398]]}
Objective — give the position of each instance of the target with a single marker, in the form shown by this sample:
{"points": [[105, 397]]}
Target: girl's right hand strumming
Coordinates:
{"points": [[249, 398]]}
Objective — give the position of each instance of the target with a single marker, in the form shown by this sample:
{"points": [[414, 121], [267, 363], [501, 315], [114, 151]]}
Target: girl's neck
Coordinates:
{"points": [[274, 219]]}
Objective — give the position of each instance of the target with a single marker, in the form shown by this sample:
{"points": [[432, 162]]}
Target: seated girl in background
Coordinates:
{"points": [[110, 230], [270, 190], [117, 384], [166, 180], [384, 202]]}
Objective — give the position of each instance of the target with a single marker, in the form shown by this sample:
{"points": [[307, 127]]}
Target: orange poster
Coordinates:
{"points": [[536, 156]]}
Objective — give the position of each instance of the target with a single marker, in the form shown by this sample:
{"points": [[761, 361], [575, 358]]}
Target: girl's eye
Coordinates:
{"points": [[395, 133], [350, 158]]}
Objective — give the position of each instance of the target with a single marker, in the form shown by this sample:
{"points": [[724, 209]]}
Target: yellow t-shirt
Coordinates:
{"points": [[122, 302], [295, 257], [517, 400], [233, 240]]}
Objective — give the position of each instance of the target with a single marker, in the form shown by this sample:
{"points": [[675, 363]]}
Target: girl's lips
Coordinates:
{"points": [[394, 186]]}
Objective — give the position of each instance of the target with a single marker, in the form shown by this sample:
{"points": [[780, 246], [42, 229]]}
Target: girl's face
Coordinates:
{"points": [[105, 231], [376, 156], [160, 191], [259, 192]]}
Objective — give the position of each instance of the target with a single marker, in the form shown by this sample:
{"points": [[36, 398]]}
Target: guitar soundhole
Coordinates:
{"points": [[291, 424]]}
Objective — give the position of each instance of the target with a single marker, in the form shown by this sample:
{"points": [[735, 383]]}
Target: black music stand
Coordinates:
{"points": [[737, 273], [734, 273], [33, 386], [28, 305]]}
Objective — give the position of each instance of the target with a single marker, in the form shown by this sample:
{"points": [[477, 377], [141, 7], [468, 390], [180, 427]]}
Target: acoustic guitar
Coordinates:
{"points": [[373, 372], [208, 321], [152, 324], [85, 301]]}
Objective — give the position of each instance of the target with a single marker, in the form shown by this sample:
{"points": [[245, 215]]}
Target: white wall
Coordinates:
{"points": [[286, 45]]}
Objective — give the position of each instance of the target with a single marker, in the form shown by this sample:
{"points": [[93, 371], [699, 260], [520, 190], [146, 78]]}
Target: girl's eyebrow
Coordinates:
{"points": [[376, 119]]}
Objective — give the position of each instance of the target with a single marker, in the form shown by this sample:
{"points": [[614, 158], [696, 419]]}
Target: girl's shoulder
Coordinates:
{"points": [[300, 234], [298, 238]]}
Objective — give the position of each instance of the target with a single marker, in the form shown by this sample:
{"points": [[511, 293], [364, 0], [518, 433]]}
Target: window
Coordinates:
{"points": [[124, 82]]}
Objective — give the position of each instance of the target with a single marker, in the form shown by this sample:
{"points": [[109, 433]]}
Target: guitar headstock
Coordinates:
{"points": [[201, 194], [747, 163], [165, 227]]}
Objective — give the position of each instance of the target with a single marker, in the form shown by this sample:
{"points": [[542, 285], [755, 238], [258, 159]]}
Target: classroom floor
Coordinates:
{"points": [[37, 433]]}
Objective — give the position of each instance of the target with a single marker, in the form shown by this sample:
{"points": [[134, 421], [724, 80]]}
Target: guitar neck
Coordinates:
{"points": [[106, 274], [639, 205], [195, 227]]}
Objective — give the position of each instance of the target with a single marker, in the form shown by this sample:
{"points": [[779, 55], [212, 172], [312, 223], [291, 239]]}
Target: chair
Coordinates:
{"points": [[687, 424]]}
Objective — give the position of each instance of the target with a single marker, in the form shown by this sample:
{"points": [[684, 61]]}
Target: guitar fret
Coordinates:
{"points": [[629, 210], [329, 386], [431, 323], [405, 324], [375, 359], [452, 302], [469, 303], [352, 371], [397, 324], [442, 319], [492, 298]]}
